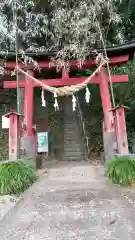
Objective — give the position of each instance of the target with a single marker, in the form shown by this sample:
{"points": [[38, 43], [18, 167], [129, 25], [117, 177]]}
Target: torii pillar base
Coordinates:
{"points": [[29, 144], [109, 143]]}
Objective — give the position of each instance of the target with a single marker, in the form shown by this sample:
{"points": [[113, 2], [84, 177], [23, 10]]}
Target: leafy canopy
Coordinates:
{"points": [[69, 27]]}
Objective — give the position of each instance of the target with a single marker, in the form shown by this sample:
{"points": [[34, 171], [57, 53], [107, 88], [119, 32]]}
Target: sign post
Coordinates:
{"points": [[14, 135], [42, 141]]}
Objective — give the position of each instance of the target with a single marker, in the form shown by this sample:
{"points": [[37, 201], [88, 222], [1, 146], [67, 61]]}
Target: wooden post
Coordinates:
{"points": [[14, 138], [121, 131], [35, 137]]}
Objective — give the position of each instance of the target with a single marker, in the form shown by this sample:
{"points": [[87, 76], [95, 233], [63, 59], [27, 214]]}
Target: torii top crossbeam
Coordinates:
{"points": [[117, 55], [118, 50]]}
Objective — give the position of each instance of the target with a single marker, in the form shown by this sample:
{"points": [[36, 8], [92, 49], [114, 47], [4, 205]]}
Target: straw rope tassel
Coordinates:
{"points": [[56, 106], [43, 99], [73, 103], [87, 95]]}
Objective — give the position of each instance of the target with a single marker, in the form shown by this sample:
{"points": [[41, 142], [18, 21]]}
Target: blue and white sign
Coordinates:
{"points": [[42, 141]]}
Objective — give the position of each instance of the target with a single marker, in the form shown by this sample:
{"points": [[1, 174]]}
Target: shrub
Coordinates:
{"points": [[15, 177], [121, 170]]}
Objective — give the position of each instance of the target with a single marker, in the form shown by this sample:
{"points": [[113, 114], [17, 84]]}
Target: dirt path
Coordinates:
{"points": [[71, 202]]}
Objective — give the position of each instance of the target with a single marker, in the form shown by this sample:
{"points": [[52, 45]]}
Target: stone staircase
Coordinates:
{"points": [[73, 147]]}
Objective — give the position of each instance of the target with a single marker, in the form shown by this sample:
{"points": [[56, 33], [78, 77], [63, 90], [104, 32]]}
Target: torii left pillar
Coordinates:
{"points": [[28, 139], [14, 135]]}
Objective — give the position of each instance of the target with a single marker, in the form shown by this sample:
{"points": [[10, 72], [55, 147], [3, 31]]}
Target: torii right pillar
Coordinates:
{"points": [[108, 128], [114, 124]]}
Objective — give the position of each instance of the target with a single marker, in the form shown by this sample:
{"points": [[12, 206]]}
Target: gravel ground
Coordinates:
{"points": [[6, 203], [71, 201]]}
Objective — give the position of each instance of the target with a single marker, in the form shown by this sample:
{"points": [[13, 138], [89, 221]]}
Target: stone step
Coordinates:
{"points": [[74, 158], [74, 145], [71, 134], [74, 125], [72, 121], [72, 139], [73, 154], [71, 129], [70, 118], [69, 126], [76, 154], [67, 135], [74, 136], [72, 151]]}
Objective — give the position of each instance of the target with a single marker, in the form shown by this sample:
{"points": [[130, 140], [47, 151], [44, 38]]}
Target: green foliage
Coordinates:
{"points": [[124, 94], [16, 177], [121, 170], [126, 8]]}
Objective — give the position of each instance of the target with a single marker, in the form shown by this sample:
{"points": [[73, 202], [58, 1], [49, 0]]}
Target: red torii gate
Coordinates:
{"points": [[101, 78]]}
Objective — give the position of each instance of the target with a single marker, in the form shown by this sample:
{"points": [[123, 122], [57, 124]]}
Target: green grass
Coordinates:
{"points": [[16, 177], [121, 170]]}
